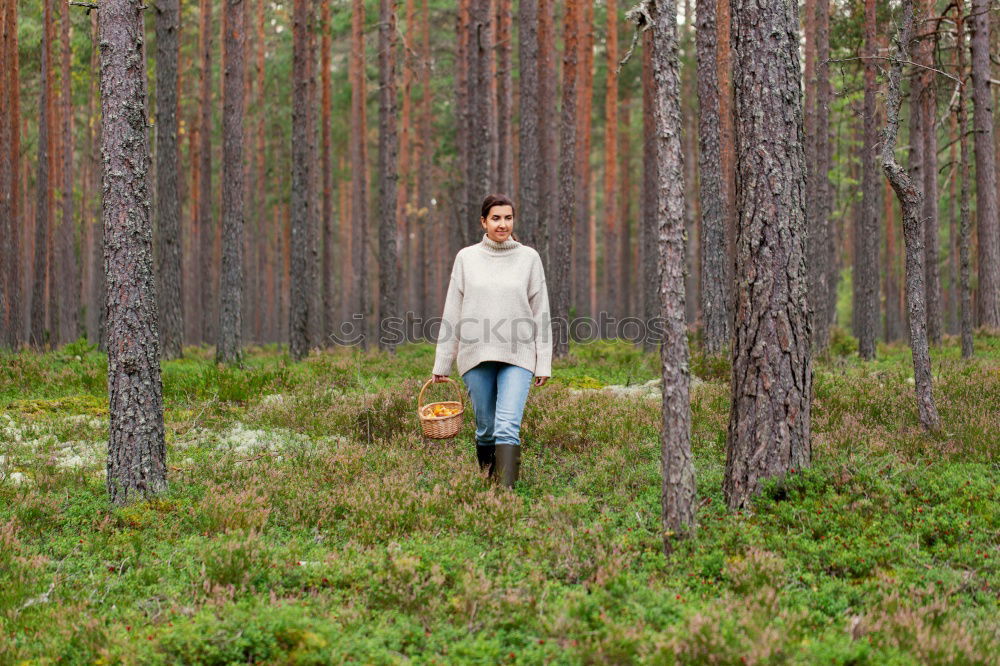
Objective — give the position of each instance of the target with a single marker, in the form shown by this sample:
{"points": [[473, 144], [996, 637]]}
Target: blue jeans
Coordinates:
{"points": [[498, 391]]}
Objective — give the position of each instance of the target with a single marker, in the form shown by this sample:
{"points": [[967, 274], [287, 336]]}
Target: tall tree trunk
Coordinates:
{"points": [[359, 176], [425, 214], [100, 286], [820, 228], [264, 311], [483, 120], [464, 71], [626, 272], [531, 205], [581, 246], [893, 313], [986, 176], [769, 422], [39, 334], [206, 225], [611, 276], [69, 274], [716, 277], [10, 219], [547, 131], [136, 447], [727, 141], [388, 144], [230, 344], [559, 241], [647, 232], [965, 226], [168, 202], [301, 170], [328, 284], [505, 98], [866, 228], [678, 484], [932, 278], [910, 199]]}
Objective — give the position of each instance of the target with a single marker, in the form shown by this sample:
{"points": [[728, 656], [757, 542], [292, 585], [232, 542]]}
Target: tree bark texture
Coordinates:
{"points": [[136, 447], [648, 278], [547, 85], [769, 423], [986, 177], [678, 484], [965, 226], [39, 333], [483, 116], [866, 228], [229, 348], [388, 145], [821, 240], [168, 201], [505, 97], [911, 200], [932, 280], [716, 277], [329, 288], [10, 218], [301, 169], [68, 272], [612, 286], [559, 242], [359, 175], [206, 224], [530, 211]]}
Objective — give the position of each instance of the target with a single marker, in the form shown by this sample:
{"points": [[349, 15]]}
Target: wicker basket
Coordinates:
{"points": [[440, 427]]}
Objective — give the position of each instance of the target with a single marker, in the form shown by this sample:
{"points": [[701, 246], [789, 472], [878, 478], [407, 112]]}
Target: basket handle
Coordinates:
{"points": [[420, 397]]}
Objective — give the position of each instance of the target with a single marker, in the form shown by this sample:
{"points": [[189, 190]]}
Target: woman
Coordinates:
{"points": [[497, 326]]}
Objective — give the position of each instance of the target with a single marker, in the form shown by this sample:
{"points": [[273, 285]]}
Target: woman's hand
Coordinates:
{"points": [[440, 378], [540, 381]]}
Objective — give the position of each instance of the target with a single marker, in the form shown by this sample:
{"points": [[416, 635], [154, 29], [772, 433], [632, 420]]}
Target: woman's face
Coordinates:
{"points": [[499, 223]]}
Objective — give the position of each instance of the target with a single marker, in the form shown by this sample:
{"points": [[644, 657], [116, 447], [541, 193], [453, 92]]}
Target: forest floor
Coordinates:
{"points": [[308, 522]]}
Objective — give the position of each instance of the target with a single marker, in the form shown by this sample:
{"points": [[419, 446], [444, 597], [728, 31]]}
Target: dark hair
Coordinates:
{"points": [[498, 200]]}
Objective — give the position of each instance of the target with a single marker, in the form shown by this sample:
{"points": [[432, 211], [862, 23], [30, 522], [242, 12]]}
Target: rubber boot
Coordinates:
{"points": [[508, 463], [487, 457]]}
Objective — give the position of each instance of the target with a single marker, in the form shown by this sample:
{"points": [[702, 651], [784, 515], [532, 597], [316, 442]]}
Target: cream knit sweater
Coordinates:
{"points": [[497, 309]]}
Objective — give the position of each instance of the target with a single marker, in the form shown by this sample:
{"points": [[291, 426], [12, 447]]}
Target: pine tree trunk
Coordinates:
{"points": [[580, 241], [388, 145], [69, 274], [559, 242], [715, 275], [820, 227], [359, 178], [10, 220], [932, 278], [505, 98], [910, 197], [548, 209], [646, 240], [612, 296], [39, 334], [965, 225], [678, 484], [769, 423], [301, 170], [328, 283], [530, 211], [482, 165], [136, 447], [230, 344], [168, 201], [866, 230], [206, 224], [986, 177], [626, 273]]}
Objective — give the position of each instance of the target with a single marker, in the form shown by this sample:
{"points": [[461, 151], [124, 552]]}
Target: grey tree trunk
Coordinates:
{"points": [[547, 85], [39, 334], [866, 228], [821, 241], [301, 203], [716, 277], [206, 224], [559, 242], [648, 278], [678, 484], [359, 177], [68, 283], [388, 147], [10, 219], [483, 116], [531, 211], [136, 447], [229, 348], [932, 279], [911, 201], [168, 202], [505, 97], [986, 175], [769, 421], [965, 226]]}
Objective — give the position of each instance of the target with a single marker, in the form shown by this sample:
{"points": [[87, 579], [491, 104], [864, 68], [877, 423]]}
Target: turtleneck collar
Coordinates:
{"points": [[494, 247]]}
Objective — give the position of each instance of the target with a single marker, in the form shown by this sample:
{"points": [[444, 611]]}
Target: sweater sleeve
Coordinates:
{"points": [[539, 300], [447, 342]]}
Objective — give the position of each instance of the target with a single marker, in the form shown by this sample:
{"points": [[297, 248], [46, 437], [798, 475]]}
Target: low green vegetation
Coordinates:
{"points": [[308, 522]]}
